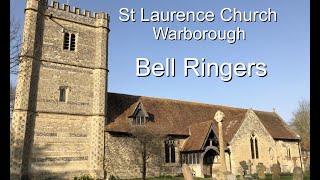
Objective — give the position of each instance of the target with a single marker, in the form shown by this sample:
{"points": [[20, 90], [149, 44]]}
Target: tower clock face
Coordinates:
{"points": [[219, 116]]}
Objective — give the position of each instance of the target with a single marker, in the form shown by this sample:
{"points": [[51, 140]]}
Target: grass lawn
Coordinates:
{"points": [[177, 178], [268, 177], [286, 177]]}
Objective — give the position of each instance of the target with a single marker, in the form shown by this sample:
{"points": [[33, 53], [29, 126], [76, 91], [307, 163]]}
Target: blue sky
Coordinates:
{"points": [[284, 46]]}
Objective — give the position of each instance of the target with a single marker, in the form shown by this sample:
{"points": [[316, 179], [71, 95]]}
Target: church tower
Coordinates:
{"points": [[60, 108]]}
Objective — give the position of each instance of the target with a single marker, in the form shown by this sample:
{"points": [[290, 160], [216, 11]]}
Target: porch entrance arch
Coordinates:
{"points": [[208, 160]]}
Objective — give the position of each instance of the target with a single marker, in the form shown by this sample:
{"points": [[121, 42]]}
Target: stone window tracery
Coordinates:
{"points": [[170, 153], [254, 146]]}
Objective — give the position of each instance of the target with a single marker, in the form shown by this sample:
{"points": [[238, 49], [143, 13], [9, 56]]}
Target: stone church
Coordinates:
{"points": [[65, 123]]}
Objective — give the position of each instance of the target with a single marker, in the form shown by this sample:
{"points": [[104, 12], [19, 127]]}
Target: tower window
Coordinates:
{"points": [[62, 94], [69, 42], [73, 42], [66, 41]]}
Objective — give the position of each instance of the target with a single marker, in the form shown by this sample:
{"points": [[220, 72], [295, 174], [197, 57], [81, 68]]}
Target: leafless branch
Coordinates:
{"points": [[12, 96], [148, 145], [301, 123], [15, 44]]}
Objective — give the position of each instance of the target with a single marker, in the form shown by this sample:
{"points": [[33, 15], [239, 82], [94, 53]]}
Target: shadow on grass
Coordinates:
{"points": [[268, 177]]}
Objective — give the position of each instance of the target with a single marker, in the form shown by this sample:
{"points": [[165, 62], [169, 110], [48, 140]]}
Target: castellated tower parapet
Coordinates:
{"points": [[76, 14], [60, 107]]}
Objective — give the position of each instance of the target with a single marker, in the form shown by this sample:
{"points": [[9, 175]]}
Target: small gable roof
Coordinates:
{"points": [[173, 117], [198, 135], [139, 108]]}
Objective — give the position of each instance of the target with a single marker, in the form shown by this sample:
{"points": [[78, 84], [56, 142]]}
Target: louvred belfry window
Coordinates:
{"points": [[66, 42], [73, 42], [69, 41]]}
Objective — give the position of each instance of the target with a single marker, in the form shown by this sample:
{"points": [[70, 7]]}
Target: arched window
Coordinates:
{"points": [[73, 42], [257, 150], [254, 146], [170, 152], [167, 152], [69, 41], [173, 153], [66, 41]]}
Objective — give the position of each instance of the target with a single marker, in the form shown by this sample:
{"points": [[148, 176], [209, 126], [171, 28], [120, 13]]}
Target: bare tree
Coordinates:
{"points": [[148, 145], [15, 44], [12, 95], [15, 48], [301, 123]]}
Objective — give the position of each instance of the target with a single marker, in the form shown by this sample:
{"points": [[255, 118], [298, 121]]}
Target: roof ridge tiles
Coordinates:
{"points": [[178, 100]]}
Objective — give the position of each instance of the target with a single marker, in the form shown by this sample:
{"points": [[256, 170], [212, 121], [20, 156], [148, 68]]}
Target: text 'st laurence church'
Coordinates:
{"points": [[199, 67]]}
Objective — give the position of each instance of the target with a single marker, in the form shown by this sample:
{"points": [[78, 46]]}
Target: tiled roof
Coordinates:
{"points": [[173, 117], [277, 128], [198, 134]]}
